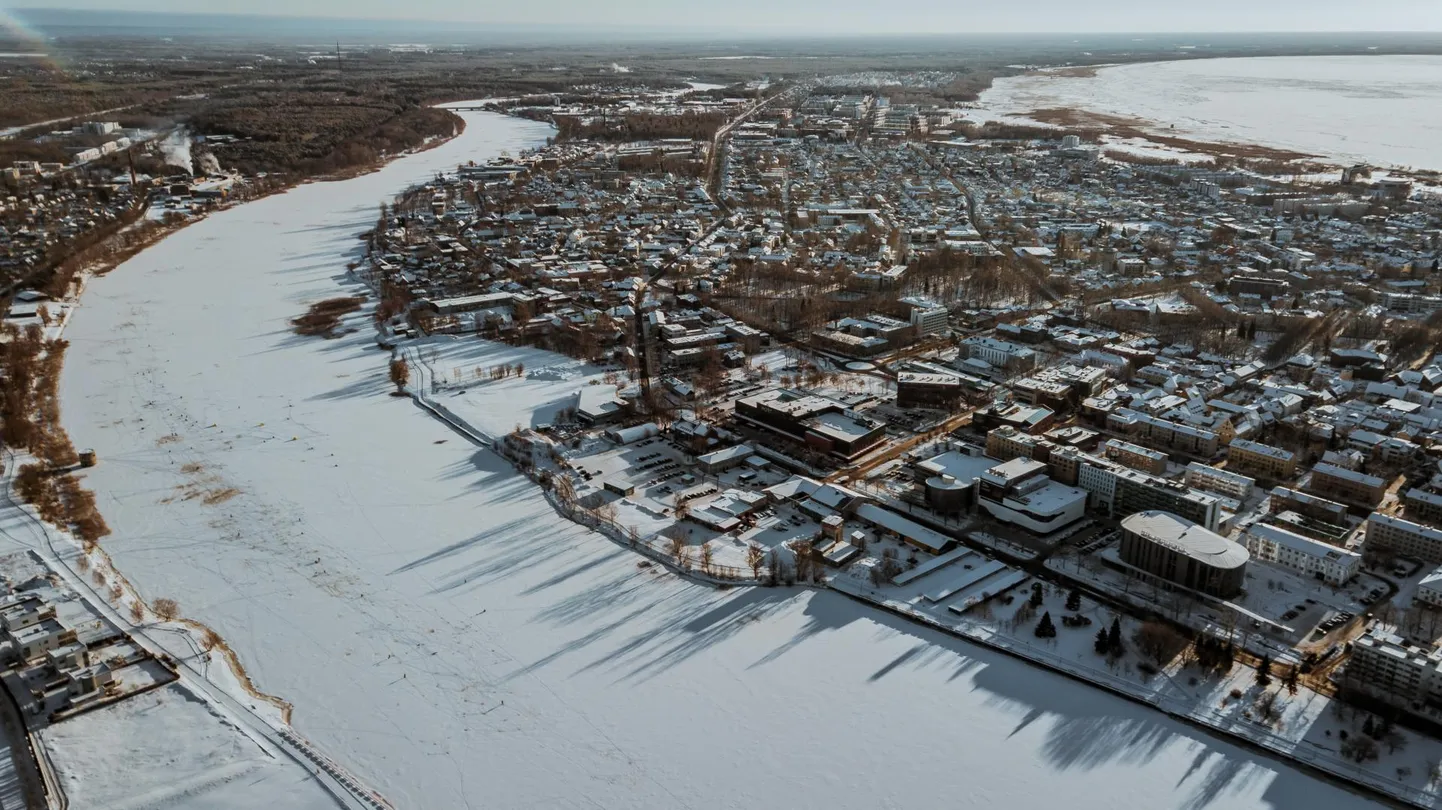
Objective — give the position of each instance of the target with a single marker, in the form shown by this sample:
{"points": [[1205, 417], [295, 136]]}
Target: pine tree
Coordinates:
{"points": [[1114, 638], [1264, 672], [1044, 628], [1103, 642], [1368, 728], [1036, 594], [1073, 600]]}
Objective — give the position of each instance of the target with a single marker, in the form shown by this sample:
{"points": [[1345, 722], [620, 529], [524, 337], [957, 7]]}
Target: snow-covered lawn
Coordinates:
{"points": [[549, 383], [168, 749], [445, 635]]}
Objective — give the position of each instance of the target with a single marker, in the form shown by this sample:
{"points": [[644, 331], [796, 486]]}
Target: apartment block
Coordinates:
{"points": [[1347, 486], [1264, 461], [1404, 537]]}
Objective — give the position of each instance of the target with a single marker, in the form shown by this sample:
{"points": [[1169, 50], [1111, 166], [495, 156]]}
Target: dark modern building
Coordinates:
{"points": [[1183, 553]]}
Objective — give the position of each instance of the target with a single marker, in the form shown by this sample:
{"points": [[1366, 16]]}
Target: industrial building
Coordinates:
{"points": [[1180, 552]]}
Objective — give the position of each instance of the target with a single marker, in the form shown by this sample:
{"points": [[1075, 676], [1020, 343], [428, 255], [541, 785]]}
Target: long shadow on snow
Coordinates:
{"points": [[1087, 728], [687, 630]]}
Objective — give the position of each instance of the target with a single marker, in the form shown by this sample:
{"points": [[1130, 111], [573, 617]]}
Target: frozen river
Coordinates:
{"points": [[1383, 110], [444, 635]]}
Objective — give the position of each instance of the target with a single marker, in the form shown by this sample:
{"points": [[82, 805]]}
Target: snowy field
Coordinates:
{"points": [[168, 749], [443, 634], [1373, 109]]}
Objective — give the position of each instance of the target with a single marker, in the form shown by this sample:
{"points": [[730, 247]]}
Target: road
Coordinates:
{"points": [[35, 536]]}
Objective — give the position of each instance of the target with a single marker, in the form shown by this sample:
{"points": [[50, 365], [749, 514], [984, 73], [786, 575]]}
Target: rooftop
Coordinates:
{"points": [[1197, 542]]}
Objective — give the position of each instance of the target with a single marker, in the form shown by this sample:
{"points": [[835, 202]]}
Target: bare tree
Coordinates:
{"points": [[137, 612], [167, 609], [400, 374], [706, 555], [1158, 641], [755, 557]]}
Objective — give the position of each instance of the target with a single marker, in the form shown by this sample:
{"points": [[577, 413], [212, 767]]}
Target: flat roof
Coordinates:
{"points": [[1333, 471], [1197, 542], [1304, 545], [1262, 449], [964, 468]]}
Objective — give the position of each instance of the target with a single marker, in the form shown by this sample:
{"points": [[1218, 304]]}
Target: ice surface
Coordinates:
{"points": [[1374, 109]]}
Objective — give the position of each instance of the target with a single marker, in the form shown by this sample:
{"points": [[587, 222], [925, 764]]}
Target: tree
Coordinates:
{"points": [[755, 557], [1103, 642], [1114, 639], [1036, 598], [1394, 740], [1044, 628], [1264, 672], [1359, 748], [137, 612], [400, 374], [1157, 641], [1368, 727], [1289, 680], [1073, 600], [706, 557]]}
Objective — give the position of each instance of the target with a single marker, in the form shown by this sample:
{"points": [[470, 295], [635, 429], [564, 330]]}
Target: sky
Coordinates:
{"points": [[804, 17]]}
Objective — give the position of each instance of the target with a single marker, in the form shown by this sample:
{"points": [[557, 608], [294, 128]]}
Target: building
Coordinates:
{"points": [[1277, 545], [1019, 492], [820, 423], [1006, 443], [1223, 482], [1123, 492], [1429, 590], [1135, 456], [943, 391], [1164, 434], [1263, 461], [1384, 666], [1423, 506], [724, 459], [598, 404], [1347, 486], [999, 353], [1181, 552], [929, 321], [1404, 537], [1311, 506]]}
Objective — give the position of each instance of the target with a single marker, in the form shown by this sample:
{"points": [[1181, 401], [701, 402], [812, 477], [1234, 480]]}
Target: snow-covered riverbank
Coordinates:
{"points": [[443, 633]]}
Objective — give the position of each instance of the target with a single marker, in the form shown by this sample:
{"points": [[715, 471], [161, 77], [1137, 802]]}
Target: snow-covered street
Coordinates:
{"points": [[443, 634]]}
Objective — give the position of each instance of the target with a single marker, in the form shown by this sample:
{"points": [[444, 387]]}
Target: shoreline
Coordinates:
{"points": [[1092, 113]]}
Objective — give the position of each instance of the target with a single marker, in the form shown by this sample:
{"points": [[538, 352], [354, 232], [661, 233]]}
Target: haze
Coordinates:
{"points": [[861, 17]]}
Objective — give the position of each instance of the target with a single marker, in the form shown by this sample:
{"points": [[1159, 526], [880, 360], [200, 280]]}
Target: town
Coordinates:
{"points": [[996, 378]]}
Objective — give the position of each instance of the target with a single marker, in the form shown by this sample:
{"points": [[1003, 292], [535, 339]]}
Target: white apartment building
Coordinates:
{"points": [[1429, 590], [999, 353], [929, 321], [1222, 482], [1288, 549], [1404, 537]]}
